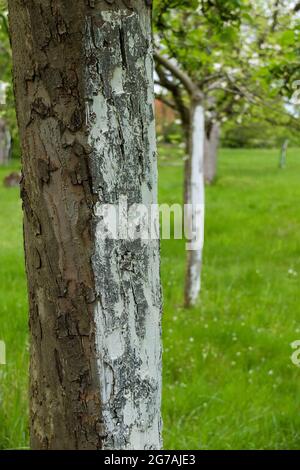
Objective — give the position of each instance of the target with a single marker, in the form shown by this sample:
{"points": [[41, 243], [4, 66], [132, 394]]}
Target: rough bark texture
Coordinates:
{"points": [[84, 92], [195, 198], [212, 138]]}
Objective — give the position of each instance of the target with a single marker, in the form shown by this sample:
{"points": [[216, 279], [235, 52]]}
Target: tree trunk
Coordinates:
{"points": [[9, 145], [194, 200], [84, 92], [5, 143], [211, 153], [283, 154]]}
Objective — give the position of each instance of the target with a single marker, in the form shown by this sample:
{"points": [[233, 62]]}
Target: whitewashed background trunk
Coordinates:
{"points": [[196, 199], [211, 153]]}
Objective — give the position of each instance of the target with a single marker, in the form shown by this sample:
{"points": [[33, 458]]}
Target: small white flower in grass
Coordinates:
{"points": [[271, 372], [192, 339]]}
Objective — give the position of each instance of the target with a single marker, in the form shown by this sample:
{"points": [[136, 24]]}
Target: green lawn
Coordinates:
{"points": [[228, 379]]}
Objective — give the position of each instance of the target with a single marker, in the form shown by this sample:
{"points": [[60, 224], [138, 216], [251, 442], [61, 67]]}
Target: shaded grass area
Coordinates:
{"points": [[228, 379]]}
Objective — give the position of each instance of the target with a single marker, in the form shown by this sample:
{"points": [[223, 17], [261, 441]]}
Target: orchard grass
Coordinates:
{"points": [[13, 319], [229, 382]]}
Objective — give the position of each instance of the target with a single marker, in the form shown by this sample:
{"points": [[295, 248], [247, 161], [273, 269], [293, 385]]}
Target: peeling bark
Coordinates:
{"points": [[84, 92], [195, 199]]}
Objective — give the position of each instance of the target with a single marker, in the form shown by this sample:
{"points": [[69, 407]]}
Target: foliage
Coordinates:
{"points": [[7, 110], [262, 127], [236, 57], [255, 133]]}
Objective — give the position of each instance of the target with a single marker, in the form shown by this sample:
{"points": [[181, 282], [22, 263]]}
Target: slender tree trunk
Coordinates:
{"points": [[211, 153], [194, 198], [5, 143], [283, 154], [84, 92], [8, 145]]}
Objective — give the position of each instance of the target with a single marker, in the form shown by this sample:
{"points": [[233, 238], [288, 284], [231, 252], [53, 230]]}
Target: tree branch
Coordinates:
{"points": [[177, 96], [184, 79]]}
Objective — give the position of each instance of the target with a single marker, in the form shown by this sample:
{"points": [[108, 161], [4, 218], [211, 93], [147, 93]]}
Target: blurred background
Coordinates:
{"points": [[229, 382]]}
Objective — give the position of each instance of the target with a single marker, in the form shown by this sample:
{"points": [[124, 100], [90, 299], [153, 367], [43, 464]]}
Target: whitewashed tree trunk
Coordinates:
{"points": [[5, 143], [195, 198], [127, 313], [211, 153], [8, 144], [84, 93], [283, 154]]}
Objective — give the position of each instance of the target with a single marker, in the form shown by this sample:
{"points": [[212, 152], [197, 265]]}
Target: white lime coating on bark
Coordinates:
{"points": [[128, 308], [197, 202]]}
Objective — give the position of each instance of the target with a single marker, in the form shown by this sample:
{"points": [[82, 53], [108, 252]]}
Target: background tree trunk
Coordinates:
{"points": [[195, 199], [283, 154], [84, 91], [212, 139], [5, 143]]}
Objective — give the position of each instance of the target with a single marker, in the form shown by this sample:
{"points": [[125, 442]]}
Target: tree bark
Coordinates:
{"points": [[212, 138], [84, 92], [195, 202]]}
